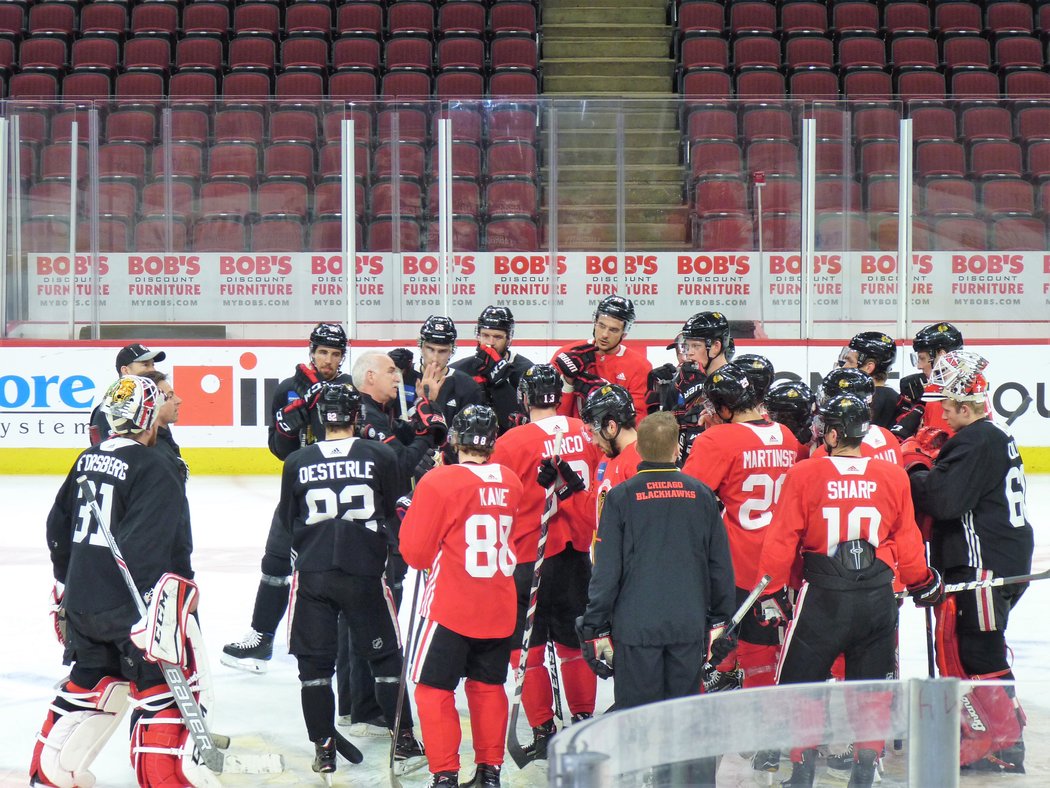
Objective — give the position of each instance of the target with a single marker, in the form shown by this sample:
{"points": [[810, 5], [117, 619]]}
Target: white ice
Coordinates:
{"points": [[262, 712]]}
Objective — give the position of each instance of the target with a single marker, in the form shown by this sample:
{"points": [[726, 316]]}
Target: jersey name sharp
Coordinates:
{"points": [[851, 488]]}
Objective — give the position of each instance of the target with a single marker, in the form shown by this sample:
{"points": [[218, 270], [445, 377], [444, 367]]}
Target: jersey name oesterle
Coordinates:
{"points": [[342, 469]]}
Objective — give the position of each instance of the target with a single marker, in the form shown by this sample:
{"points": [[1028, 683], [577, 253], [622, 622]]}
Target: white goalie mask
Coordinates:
{"points": [[131, 404], [958, 376]]}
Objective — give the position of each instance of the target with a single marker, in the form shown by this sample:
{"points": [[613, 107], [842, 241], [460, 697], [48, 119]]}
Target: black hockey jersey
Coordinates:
{"points": [[379, 424], [976, 494], [457, 391], [337, 499], [503, 397], [141, 495], [884, 406], [286, 393]]}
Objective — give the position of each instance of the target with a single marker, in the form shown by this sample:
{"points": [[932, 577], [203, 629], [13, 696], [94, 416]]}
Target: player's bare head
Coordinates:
{"points": [[540, 388], [376, 375], [495, 328], [658, 437], [607, 412], [613, 318], [474, 430], [327, 348], [168, 412], [131, 405]]}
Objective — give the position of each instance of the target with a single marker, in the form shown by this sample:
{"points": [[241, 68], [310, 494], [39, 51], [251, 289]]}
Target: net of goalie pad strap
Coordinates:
{"points": [[831, 715]]}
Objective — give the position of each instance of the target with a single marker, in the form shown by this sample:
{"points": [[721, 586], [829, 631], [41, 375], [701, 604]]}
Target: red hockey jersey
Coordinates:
{"points": [[745, 465], [460, 527], [624, 367], [830, 500], [879, 443], [620, 468], [521, 449]]}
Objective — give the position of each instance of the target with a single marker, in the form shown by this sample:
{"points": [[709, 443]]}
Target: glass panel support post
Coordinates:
{"points": [[904, 240], [5, 268], [349, 226], [445, 209], [809, 185], [74, 177]]}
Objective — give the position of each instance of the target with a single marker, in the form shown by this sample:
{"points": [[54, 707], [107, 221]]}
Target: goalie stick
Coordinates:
{"points": [[190, 711], [517, 752], [741, 611]]}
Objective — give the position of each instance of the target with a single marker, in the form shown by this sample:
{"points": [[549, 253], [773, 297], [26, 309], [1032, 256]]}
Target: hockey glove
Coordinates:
{"points": [[402, 358], [494, 368], [586, 382], [58, 611], [426, 463], [661, 391], [572, 481], [922, 449], [547, 473], [722, 644], [516, 419], [911, 389], [575, 360], [597, 647], [690, 384], [291, 419], [427, 421], [773, 610], [930, 592], [308, 383]]}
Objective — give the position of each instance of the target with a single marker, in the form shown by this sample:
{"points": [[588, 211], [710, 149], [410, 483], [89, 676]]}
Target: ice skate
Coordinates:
{"points": [[864, 770], [443, 780], [581, 717], [802, 772], [408, 753], [541, 735], [765, 763], [324, 758], [250, 654], [1008, 761], [375, 727], [487, 776], [719, 681]]}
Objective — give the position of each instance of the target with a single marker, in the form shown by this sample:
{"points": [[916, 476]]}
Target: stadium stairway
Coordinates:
{"points": [[608, 49]]}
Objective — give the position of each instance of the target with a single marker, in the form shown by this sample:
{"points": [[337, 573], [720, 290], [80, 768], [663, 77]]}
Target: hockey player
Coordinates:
{"points": [[567, 563], [760, 372], [845, 514], [140, 491], [495, 367], [792, 404], [605, 359], [975, 491], [136, 359], [707, 345], [744, 461], [448, 390], [874, 353], [929, 344], [879, 442], [337, 506], [609, 414], [647, 617], [296, 423], [459, 527]]}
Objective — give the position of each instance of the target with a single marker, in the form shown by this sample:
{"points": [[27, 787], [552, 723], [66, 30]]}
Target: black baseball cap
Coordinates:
{"points": [[137, 352]]}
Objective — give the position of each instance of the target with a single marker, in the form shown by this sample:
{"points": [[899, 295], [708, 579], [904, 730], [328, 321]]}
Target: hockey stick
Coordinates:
{"points": [[741, 611], [517, 752], [402, 687], [552, 659], [994, 582], [189, 709]]}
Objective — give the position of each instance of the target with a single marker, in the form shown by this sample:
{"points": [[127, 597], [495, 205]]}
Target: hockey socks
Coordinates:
{"points": [[318, 708], [488, 721], [271, 600], [537, 697], [579, 681], [439, 724], [759, 664]]}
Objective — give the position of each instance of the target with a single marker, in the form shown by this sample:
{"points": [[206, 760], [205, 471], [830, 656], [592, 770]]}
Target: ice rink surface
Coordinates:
{"points": [[262, 713]]}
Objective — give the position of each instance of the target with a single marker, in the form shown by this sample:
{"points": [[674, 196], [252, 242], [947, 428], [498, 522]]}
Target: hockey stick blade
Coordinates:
{"points": [[741, 611], [270, 763], [346, 748], [995, 582]]}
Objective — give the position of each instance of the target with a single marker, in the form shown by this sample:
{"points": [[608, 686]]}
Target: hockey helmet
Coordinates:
{"points": [[438, 330], [792, 404], [708, 327], [730, 387], [759, 371], [328, 335], [496, 318], [608, 402], [131, 405], [848, 414], [958, 376], [874, 346], [540, 387], [939, 336], [475, 426], [846, 381], [618, 307], [339, 404]]}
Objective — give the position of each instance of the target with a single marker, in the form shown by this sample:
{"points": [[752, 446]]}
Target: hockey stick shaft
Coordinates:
{"points": [[402, 688], [552, 660], [995, 582], [742, 611], [189, 709], [513, 746]]}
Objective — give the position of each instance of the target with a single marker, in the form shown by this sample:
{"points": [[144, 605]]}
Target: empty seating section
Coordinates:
{"points": [[241, 103], [973, 77]]}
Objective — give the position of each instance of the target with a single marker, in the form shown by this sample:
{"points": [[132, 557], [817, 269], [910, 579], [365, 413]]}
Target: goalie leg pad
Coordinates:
{"points": [[162, 752], [79, 723]]}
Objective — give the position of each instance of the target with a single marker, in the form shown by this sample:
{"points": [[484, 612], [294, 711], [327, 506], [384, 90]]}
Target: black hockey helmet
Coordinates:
{"points": [[939, 336], [846, 381], [730, 387], [438, 330], [709, 326], [475, 426], [540, 387], [618, 307], [792, 404], [608, 402], [848, 414], [328, 335], [339, 404], [496, 318], [759, 371], [874, 346]]}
